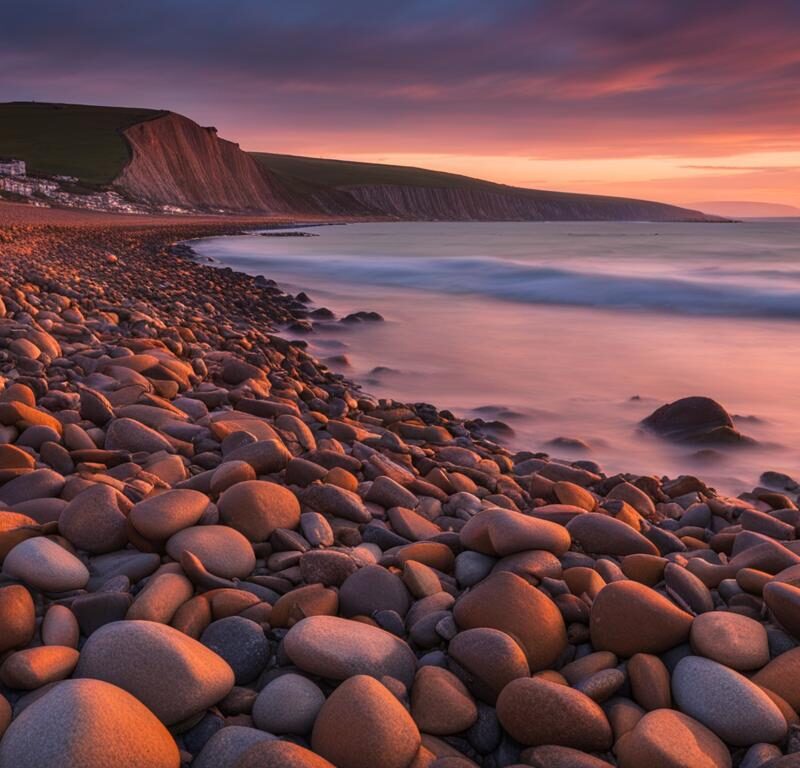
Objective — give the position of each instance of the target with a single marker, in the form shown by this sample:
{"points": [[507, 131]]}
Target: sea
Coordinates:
{"points": [[570, 333]]}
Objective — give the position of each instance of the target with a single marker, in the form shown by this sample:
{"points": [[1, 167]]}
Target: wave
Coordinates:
{"points": [[529, 283]]}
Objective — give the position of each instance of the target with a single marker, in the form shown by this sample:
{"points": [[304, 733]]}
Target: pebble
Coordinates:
{"points": [[289, 704], [440, 703], [605, 535], [732, 639], [280, 754], [17, 617], [337, 649], [221, 550], [256, 508], [34, 667], [241, 643], [629, 618], [487, 660], [160, 517], [379, 730], [43, 564], [668, 739], [508, 603], [726, 702], [536, 711], [93, 521], [172, 674], [87, 724]]}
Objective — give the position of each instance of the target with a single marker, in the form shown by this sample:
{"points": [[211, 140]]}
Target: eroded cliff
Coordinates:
{"points": [[175, 161]]}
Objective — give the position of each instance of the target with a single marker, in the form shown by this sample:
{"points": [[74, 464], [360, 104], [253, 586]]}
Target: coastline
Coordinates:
{"points": [[262, 519]]}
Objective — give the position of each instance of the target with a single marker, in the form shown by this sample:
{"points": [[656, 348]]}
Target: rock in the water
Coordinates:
{"points": [[698, 420], [363, 725], [174, 675], [87, 724]]}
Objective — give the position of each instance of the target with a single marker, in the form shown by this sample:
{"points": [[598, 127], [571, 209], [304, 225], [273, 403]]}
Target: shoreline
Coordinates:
{"points": [[195, 510]]}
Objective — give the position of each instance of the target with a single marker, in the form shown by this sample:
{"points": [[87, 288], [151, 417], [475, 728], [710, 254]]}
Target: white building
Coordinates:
{"points": [[10, 167]]}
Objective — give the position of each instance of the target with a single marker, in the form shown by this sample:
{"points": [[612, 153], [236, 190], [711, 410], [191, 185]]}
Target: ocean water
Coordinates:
{"points": [[565, 330]]}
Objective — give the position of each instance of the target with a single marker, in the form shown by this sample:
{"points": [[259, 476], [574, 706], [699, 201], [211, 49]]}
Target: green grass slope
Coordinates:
{"points": [[69, 139], [348, 173]]}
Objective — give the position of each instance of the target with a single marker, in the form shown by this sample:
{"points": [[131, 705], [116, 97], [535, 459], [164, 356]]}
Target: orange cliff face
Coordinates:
{"points": [[177, 162]]}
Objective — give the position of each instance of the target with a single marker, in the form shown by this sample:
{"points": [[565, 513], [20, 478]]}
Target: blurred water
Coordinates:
{"points": [[556, 326]]}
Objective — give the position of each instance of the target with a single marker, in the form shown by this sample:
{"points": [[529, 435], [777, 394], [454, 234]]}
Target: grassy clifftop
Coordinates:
{"points": [[348, 173], [69, 139]]}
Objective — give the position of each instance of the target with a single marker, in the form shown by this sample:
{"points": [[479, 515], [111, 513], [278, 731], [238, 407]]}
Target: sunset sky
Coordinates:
{"points": [[677, 100]]}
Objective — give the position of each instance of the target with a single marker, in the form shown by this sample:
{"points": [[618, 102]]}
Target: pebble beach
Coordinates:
{"points": [[216, 552]]}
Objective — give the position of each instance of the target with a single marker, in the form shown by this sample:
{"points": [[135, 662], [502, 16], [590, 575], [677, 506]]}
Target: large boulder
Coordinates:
{"points": [[694, 420]]}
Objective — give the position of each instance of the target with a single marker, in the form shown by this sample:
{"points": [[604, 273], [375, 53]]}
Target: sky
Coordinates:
{"points": [[674, 100]]}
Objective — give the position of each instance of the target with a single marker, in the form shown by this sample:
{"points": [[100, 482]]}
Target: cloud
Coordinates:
{"points": [[544, 78]]}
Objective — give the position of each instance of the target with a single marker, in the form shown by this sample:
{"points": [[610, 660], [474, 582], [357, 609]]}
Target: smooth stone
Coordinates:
{"points": [[508, 603], [129, 435], [280, 754], [60, 627], [726, 702], [87, 724], [371, 589], [782, 676], [289, 704], [600, 534], [332, 500], [502, 532], [362, 725], [684, 587], [34, 667], [694, 420], [487, 660], [536, 711], [227, 745], [337, 648], [172, 674], [326, 566], [783, 600], [221, 550], [629, 618], [43, 564], [264, 456], [256, 508], [241, 643], [731, 639], [389, 493], [665, 738], [160, 517], [650, 682], [93, 521], [39, 484], [161, 597], [17, 617], [440, 703]]}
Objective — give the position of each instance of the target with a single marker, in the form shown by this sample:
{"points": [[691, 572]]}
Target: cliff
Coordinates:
{"points": [[473, 203], [175, 161]]}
